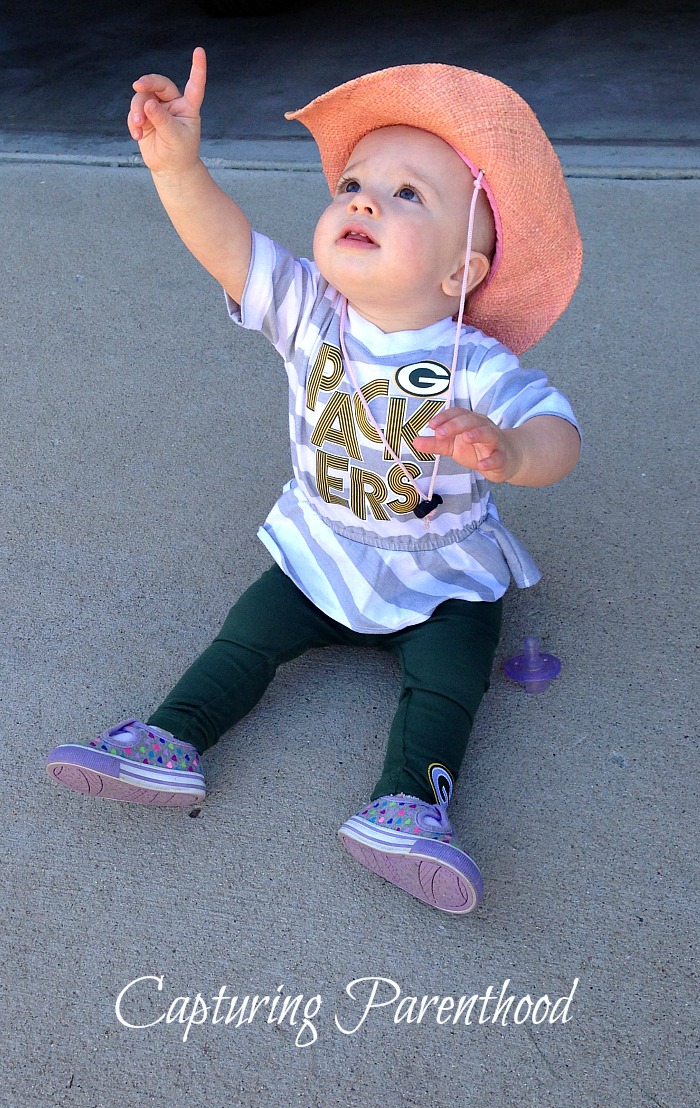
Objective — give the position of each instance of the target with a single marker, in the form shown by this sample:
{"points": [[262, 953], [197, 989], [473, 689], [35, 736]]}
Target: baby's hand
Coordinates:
{"points": [[166, 124], [474, 441]]}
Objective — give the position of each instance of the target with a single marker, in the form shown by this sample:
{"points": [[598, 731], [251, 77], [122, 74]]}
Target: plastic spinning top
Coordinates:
{"points": [[532, 670]]}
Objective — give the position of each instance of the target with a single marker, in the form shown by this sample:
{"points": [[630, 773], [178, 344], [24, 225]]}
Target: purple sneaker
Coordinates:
{"points": [[410, 843], [132, 762]]}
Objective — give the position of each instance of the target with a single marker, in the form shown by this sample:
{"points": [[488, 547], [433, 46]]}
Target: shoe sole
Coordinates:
{"points": [[436, 873], [112, 778]]}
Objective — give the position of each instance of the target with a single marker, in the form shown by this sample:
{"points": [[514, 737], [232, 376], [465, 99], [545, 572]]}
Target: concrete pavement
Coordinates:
{"points": [[144, 440]]}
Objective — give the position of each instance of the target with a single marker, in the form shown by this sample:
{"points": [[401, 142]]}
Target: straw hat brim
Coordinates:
{"points": [[539, 253]]}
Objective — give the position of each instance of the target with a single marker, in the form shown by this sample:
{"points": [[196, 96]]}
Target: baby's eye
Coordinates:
{"points": [[407, 193], [350, 186]]}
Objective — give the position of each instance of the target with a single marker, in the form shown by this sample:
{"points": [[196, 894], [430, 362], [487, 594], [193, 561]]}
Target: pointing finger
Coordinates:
{"points": [[194, 89]]}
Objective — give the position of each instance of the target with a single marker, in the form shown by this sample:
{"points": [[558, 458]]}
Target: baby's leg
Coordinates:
{"points": [[158, 762], [271, 623], [446, 663], [404, 834]]}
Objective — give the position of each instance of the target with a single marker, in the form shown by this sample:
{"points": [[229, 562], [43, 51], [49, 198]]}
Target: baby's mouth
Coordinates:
{"points": [[357, 235]]}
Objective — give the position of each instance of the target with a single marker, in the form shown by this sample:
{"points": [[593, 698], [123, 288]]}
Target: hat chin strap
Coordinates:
{"points": [[427, 506]]}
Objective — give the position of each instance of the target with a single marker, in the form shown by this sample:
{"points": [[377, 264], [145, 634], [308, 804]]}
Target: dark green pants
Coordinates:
{"points": [[446, 662]]}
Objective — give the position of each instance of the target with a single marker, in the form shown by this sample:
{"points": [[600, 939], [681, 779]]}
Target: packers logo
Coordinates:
{"points": [[443, 783], [423, 378]]}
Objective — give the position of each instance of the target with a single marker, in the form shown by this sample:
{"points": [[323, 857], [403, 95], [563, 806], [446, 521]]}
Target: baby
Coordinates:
{"points": [[449, 247]]}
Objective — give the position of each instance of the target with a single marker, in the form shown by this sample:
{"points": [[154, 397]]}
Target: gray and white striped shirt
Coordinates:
{"points": [[343, 528]]}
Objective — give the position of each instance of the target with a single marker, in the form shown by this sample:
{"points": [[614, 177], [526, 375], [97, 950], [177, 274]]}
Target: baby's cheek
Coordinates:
{"points": [[327, 220], [322, 239]]}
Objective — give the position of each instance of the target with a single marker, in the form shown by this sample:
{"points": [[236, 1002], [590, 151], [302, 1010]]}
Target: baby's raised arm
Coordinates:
{"points": [[166, 126]]}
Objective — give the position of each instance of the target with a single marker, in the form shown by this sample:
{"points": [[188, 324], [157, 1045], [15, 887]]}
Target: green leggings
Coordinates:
{"points": [[446, 663]]}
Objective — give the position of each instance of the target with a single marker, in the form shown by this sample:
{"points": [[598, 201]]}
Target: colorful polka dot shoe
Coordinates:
{"points": [[411, 843], [132, 762]]}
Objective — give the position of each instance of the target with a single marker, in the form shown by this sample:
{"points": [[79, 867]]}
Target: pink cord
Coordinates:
{"points": [[460, 314], [455, 352]]}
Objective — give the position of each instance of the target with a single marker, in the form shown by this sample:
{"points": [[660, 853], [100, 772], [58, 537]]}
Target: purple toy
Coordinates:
{"points": [[532, 670]]}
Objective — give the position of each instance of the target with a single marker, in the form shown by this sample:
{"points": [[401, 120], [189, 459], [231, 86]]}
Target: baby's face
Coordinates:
{"points": [[394, 236]]}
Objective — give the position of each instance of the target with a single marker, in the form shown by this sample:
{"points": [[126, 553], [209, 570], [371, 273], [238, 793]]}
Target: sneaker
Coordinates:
{"points": [[411, 843], [132, 762]]}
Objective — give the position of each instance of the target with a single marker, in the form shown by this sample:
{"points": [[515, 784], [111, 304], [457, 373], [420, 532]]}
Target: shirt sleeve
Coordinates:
{"points": [[500, 388], [279, 295]]}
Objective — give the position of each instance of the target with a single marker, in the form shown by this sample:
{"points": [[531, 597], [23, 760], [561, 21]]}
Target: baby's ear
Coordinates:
{"points": [[479, 267]]}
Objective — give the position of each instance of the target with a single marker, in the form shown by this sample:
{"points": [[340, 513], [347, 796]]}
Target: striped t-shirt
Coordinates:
{"points": [[344, 529]]}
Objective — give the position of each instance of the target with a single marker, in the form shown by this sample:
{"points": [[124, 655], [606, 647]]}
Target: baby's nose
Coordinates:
{"points": [[362, 202]]}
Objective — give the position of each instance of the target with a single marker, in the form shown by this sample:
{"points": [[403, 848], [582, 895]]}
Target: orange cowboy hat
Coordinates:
{"points": [[538, 257]]}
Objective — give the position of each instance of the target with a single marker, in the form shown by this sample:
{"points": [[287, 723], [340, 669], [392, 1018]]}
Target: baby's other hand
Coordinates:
{"points": [[166, 124], [473, 440]]}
